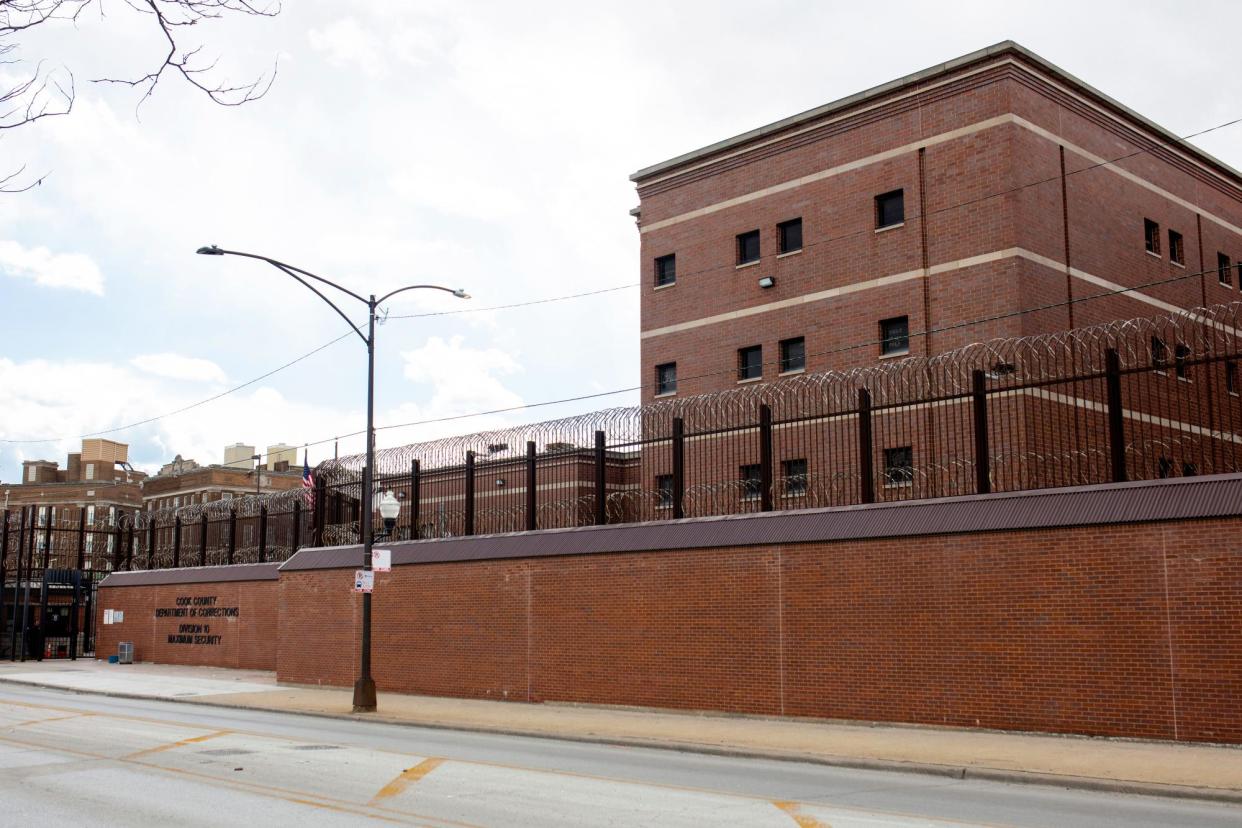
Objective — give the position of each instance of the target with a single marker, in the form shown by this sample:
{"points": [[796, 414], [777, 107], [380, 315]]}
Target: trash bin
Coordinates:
{"points": [[125, 652]]}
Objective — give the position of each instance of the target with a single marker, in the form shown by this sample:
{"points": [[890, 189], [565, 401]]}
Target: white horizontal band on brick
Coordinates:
{"points": [[944, 267], [849, 166]]}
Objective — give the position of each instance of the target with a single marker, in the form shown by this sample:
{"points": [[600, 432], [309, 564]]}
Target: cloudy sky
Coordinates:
{"points": [[484, 145]]}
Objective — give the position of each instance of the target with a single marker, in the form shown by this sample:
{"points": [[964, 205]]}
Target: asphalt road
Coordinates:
{"points": [[70, 759]]}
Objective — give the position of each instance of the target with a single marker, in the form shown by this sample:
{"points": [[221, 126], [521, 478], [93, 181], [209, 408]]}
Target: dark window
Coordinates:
{"points": [[1222, 269], [1159, 353], [1189, 469], [793, 354], [666, 378], [1231, 376], [1151, 236], [890, 209], [895, 335], [1180, 354], [1176, 253], [1165, 468], [748, 247], [750, 362], [791, 235], [794, 474], [898, 466], [664, 489], [666, 270], [750, 481]]}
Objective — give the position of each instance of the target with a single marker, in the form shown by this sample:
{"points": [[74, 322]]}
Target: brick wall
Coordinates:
{"points": [[246, 640], [1119, 630]]}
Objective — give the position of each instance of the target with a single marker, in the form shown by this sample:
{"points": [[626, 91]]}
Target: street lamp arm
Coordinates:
{"points": [[318, 293], [218, 251], [458, 292]]}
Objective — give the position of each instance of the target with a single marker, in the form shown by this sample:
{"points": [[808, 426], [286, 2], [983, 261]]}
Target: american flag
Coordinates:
{"points": [[308, 483]]}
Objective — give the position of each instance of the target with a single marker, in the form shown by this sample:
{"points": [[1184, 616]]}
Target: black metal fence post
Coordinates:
{"points": [[866, 461], [232, 534], [296, 539], [765, 458], [415, 496], [176, 561], [979, 406], [1116, 419], [601, 478], [469, 529], [532, 503], [679, 468], [202, 540], [28, 572], [150, 541], [82, 539], [129, 544], [263, 533], [74, 608], [320, 511], [17, 581], [4, 561]]}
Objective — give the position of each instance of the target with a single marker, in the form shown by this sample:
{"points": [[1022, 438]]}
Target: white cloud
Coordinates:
{"points": [[175, 366], [462, 379], [72, 271], [346, 44]]}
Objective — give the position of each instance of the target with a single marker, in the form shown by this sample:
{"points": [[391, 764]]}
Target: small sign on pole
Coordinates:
{"points": [[364, 580], [381, 560]]}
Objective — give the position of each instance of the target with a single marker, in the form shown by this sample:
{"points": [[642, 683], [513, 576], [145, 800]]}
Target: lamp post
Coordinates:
{"points": [[364, 687], [257, 480]]}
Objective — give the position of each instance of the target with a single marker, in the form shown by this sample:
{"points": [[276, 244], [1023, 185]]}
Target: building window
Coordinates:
{"points": [[1180, 354], [793, 473], [666, 270], [1151, 236], [1159, 354], [748, 247], [890, 209], [791, 235], [90, 471], [1231, 376], [666, 378], [750, 362], [664, 490], [895, 335], [1222, 269], [1176, 253], [1189, 469], [1165, 468], [793, 355], [899, 466], [751, 484], [30, 474]]}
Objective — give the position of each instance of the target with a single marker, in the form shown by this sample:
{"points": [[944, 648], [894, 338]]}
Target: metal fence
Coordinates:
{"points": [[1135, 399]]}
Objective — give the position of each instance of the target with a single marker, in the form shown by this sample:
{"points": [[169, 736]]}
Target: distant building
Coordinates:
{"points": [[185, 482], [281, 454], [239, 456]]}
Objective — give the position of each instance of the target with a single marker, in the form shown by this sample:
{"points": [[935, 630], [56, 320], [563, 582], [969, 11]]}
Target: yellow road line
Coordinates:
{"points": [[406, 779], [803, 820], [193, 740], [51, 719], [271, 791]]}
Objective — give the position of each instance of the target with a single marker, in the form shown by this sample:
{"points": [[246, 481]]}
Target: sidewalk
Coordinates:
{"points": [[1159, 768]]}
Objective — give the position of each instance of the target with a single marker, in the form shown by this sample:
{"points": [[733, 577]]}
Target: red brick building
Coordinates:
{"points": [[939, 209]]}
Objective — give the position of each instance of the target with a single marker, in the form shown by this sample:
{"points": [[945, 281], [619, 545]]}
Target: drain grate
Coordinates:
{"points": [[226, 752], [316, 747]]}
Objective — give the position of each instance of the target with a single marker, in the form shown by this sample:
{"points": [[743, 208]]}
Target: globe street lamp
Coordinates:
{"points": [[364, 687], [389, 508]]}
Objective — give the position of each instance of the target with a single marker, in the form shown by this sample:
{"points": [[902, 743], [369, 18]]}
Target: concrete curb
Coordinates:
{"points": [[1086, 783]]}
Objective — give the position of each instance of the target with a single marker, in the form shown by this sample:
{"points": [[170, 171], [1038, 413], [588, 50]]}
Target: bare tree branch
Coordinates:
{"points": [[47, 93]]}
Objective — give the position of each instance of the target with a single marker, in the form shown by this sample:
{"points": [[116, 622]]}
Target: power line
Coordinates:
{"points": [[514, 305], [843, 349]]}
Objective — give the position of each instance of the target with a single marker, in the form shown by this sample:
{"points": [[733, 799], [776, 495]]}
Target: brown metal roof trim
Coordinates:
{"points": [[194, 575], [1150, 500]]}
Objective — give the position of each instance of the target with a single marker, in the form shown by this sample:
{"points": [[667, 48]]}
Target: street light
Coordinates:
{"points": [[364, 687], [389, 508]]}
